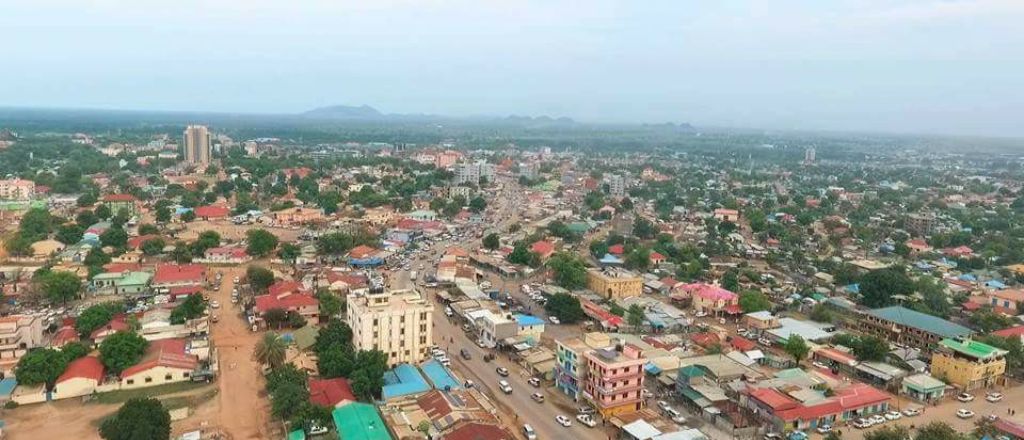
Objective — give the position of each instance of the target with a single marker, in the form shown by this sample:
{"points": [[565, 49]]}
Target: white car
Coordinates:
{"points": [[700, 314], [862, 423], [563, 420], [993, 397], [587, 420], [819, 365], [911, 412], [214, 304], [533, 381], [505, 387], [877, 419], [537, 397], [554, 320], [965, 397], [529, 432], [664, 405], [964, 413], [893, 415], [824, 429]]}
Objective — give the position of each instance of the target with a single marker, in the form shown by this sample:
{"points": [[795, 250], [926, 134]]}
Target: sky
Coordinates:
{"points": [[909, 66]]}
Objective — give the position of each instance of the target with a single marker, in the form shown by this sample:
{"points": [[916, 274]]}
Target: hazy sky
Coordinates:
{"points": [[953, 66]]}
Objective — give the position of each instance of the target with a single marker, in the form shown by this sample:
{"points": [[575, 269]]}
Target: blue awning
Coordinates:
{"points": [[652, 369]]}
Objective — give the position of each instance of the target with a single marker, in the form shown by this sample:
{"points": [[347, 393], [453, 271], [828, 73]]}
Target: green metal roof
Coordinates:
{"points": [[359, 421], [973, 349], [921, 321], [691, 371], [297, 434]]}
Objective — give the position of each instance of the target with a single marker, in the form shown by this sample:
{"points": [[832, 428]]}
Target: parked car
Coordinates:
{"points": [[533, 381], [877, 419], [537, 397], [585, 410], [911, 412], [862, 423], [563, 420], [317, 430], [554, 320], [586, 420], [824, 429], [893, 415], [502, 371], [993, 397], [505, 387], [964, 413], [465, 354], [664, 406], [965, 397]]}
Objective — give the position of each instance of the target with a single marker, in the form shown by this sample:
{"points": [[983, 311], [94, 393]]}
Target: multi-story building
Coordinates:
{"points": [[616, 185], [967, 364], [908, 327], [920, 224], [18, 335], [570, 367], [615, 379], [614, 283], [397, 322], [786, 409], [472, 172], [809, 155], [196, 145], [121, 202], [17, 189]]}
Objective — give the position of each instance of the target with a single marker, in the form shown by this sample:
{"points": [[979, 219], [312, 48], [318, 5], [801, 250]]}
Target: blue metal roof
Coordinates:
{"points": [[439, 376], [528, 320], [403, 380]]}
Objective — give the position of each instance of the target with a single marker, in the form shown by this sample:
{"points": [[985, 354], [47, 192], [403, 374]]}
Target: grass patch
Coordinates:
{"points": [[171, 388]]}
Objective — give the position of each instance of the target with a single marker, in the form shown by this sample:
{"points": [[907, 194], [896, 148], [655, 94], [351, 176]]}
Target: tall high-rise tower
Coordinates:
{"points": [[196, 144], [809, 155]]}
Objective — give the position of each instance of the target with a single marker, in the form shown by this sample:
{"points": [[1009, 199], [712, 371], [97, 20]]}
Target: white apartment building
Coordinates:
{"points": [[17, 189], [18, 334], [472, 172], [397, 322], [196, 144], [616, 185]]}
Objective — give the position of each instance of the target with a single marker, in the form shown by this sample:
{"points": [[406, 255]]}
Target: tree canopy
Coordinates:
{"points": [[260, 242], [137, 419], [122, 350], [565, 307]]}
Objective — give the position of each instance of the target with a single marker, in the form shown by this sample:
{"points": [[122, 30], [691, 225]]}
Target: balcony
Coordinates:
{"points": [[619, 389], [636, 371]]}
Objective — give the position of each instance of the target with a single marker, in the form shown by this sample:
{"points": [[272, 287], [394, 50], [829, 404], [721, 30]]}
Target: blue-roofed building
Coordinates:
{"points": [[530, 327], [995, 284], [403, 380], [610, 260], [852, 288], [908, 327], [440, 377]]}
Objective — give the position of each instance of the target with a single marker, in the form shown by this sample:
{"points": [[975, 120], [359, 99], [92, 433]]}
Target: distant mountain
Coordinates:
{"points": [[345, 112]]}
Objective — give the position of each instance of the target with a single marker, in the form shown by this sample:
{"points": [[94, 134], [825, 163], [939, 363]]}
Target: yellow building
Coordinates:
{"points": [[614, 283], [969, 365]]}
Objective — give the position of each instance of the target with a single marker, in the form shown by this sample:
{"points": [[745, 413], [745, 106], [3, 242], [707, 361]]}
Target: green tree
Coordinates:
{"points": [[644, 229], [565, 307], [96, 316], [569, 270], [36, 224], [191, 308], [329, 201], [731, 280], [288, 373], [821, 313], [635, 316], [938, 430], [368, 378], [103, 212], [69, 233], [520, 254], [259, 278], [206, 240], [870, 348], [114, 237], [754, 301], [289, 252], [187, 216], [330, 304], [638, 259], [890, 432], [60, 286], [878, 286], [148, 229], [987, 320], [796, 346], [40, 366], [270, 350], [287, 399], [85, 219], [137, 419], [153, 246], [122, 350], [492, 241], [478, 204]]}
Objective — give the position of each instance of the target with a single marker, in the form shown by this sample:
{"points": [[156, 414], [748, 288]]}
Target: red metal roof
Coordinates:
{"points": [[135, 242], [87, 367], [1010, 332], [177, 274], [543, 248], [284, 301], [330, 392], [168, 353], [773, 398], [118, 324], [478, 431], [212, 211], [616, 249], [741, 343], [361, 251], [119, 198], [285, 287]]}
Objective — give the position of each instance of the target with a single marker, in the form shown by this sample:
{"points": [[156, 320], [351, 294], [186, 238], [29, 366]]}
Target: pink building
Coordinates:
{"points": [[615, 379], [712, 299]]}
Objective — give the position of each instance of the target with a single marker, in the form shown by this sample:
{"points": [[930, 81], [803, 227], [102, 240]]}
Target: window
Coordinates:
{"points": [[149, 379], [168, 377], [186, 374], [402, 319], [131, 382]]}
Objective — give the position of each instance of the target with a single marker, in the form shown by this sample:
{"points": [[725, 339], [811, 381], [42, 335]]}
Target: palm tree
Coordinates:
{"points": [[270, 350]]}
